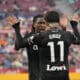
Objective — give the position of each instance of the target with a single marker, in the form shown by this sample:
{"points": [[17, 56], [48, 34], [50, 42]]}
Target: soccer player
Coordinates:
{"points": [[32, 49], [53, 46]]}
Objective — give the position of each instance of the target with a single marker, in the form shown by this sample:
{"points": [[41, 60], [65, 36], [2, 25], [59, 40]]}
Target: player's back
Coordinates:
{"points": [[53, 54]]}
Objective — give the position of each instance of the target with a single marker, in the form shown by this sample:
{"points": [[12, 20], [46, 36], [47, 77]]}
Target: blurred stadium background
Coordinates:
{"points": [[12, 61]]}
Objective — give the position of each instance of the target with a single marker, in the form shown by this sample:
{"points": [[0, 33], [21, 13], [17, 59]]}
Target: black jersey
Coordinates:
{"points": [[33, 58], [53, 53]]}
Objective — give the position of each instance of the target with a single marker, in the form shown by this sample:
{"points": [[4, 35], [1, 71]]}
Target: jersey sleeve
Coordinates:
{"points": [[76, 35], [20, 42], [74, 39], [74, 27]]}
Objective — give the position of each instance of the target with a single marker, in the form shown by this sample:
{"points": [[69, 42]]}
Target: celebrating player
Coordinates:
{"points": [[32, 49], [53, 46]]}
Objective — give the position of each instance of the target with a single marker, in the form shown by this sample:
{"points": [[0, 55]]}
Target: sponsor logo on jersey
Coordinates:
{"points": [[56, 68]]}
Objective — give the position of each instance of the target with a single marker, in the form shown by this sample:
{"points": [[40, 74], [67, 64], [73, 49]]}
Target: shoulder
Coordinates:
{"points": [[28, 34], [68, 34]]}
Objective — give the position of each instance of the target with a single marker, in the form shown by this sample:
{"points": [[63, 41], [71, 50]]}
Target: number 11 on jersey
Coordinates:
{"points": [[52, 50]]}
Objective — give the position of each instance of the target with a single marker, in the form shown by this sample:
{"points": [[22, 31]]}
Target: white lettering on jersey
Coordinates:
{"points": [[56, 68], [52, 36], [35, 47]]}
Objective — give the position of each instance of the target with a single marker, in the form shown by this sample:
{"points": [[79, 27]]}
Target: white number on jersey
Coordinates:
{"points": [[52, 50]]}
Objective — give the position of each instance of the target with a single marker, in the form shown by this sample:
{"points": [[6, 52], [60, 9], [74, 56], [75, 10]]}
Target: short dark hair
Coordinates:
{"points": [[52, 16], [34, 20]]}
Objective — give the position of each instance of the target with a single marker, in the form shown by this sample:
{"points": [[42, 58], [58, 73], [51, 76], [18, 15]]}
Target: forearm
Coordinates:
{"points": [[74, 27], [19, 39]]}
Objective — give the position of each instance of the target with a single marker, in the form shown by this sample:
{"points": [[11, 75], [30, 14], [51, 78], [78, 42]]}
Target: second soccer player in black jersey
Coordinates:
{"points": [[54, 49], [32, 49]]}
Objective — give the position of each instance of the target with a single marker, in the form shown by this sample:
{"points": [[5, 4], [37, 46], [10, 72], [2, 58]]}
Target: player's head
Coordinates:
{"points": [[38, 23], [34, 21], [52, 18]]}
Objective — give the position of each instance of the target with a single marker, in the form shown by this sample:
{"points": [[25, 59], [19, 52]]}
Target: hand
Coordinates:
{"points": [[12, 20], [64, 21], [76, 17]]}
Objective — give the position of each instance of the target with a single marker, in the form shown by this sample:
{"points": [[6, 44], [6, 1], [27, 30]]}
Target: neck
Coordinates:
{"points": [[54, 25]]}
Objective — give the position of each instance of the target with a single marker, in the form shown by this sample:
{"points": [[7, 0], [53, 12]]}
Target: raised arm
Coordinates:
{"points": [[19, 39], [16, 25], [74, 23]]}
